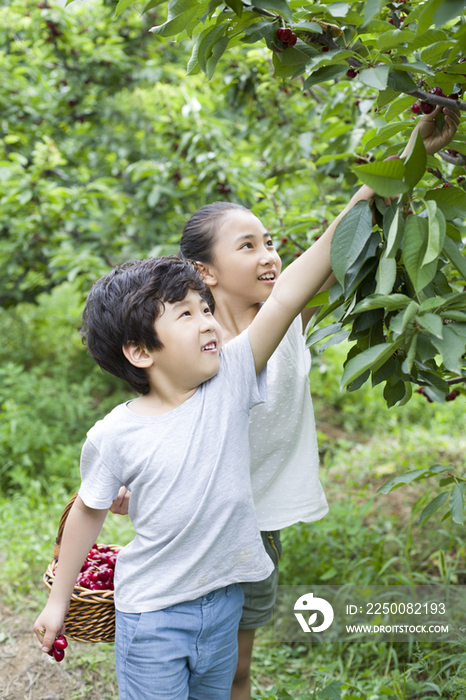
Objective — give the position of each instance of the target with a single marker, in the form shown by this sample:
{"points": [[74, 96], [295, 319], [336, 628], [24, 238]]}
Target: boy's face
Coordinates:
{"points": [[191, 340]]}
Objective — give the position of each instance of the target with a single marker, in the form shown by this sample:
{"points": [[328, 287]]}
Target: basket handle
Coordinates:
{"points": [[61, 527]]}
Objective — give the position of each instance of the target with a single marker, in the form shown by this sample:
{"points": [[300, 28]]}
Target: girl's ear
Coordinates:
{"points": [[137, 356], [208, 275]]}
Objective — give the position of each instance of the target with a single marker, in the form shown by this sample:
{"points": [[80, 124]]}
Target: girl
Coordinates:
{"points": [[240, 265]]}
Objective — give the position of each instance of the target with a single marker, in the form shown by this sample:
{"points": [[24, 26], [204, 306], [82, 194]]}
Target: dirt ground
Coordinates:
{"points": [[26, 673]]}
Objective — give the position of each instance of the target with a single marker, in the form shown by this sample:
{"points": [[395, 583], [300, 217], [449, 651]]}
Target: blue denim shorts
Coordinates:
{"points": [[186, 652]]}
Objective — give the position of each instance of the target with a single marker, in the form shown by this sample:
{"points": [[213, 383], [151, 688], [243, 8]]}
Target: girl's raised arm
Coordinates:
{"points": [[294, 288]]}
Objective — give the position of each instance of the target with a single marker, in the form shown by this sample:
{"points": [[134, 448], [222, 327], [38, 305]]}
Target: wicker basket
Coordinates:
{"points": [[91, 616]]}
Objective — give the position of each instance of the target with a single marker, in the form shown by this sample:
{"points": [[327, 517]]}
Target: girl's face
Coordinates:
{"points": [[246, 265]]}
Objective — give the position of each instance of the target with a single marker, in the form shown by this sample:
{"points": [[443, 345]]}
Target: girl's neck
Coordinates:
{"points": [[233, 316]]}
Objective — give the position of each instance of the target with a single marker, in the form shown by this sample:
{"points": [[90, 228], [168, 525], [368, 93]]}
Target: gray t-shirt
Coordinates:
{"points": [[191, 499]]}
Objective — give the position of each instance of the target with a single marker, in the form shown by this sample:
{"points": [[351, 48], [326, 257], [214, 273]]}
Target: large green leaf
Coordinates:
{"points": [[431, 323], [386, 275], [350, 238], [375, 77], [280, 6], [399, 81], [370, 359], [385, 177], [408, 477], [456, 258], [451, 200], [457, 503], [180, 13], [437, 229], [323, 74], [414, 248], [383, 134], [432, 507], [452, 347], [392, 302], [393, 38], [415, 162], [394, 235]]}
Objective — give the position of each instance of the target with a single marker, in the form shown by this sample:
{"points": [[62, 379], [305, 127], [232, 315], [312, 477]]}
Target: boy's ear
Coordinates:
{"points": [[208, 275], [137, 356]]}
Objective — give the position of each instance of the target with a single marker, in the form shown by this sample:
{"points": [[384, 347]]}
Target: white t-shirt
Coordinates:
{"points": [[282, 437], [191, 500]]}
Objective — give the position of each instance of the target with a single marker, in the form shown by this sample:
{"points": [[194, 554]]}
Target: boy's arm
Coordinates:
{"points": [[82, 527], [294, 288]]}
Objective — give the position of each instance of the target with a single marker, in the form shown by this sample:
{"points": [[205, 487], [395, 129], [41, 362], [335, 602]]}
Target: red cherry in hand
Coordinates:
{"points": [[426, 107], [59, 654], [60, 643]]}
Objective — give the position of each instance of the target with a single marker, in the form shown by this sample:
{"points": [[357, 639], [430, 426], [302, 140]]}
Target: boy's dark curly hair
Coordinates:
{"points": [[123, 306]]}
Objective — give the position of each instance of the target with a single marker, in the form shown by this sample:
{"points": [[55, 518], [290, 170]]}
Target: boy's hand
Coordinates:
{"points": [[50, 625], [434, 139], [121, 503]]}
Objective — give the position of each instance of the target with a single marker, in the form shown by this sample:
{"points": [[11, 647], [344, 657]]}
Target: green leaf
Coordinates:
{"points": [[375, 77], [455, 257], [383, 134], [447, 11], [426, 18], [431, 323], [386, 275], [409, 313], [437, 228], [322, 333], [399, 81], [385, 177], [392, 302], [151, 4], [394, 37], [451, 347], [395, 234], [332, 691], [218, 50], [350, 238], [372, 8], [180, 13], [414, 248], [415, 67], [370, 359], [280, 6], [323, 74], [236, 6], [318, 300], [400, 105], [431, 36], [411, 354], [394, 391], [415, 162], [401, 479], [457, 503], [432, 507], [451, 200], [209, 39], [123, 4]]}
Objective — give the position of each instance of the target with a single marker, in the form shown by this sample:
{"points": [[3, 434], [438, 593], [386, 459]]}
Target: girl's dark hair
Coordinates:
{"points": [[198, 238], [122, 307]]}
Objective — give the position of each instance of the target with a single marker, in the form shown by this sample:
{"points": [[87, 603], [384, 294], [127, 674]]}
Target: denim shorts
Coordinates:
{"points": [[186, 652], [259, 596]]}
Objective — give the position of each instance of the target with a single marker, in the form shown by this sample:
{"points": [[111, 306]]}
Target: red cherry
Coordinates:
{"points": [[284, 34], [351, 73], [415, 108], [293, 39], [284, 239], [460, 179], [437, 91], [50, 651], [452, 395], [462, 60], [60, 643], [453, 96], [297, 255], [426, 107], [390, 21], [447, 184], [59, 654], [452, 152], [325, 49]]}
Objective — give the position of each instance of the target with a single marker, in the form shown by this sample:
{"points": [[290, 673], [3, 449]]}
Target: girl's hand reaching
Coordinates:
{"points": [[434, 138]]}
